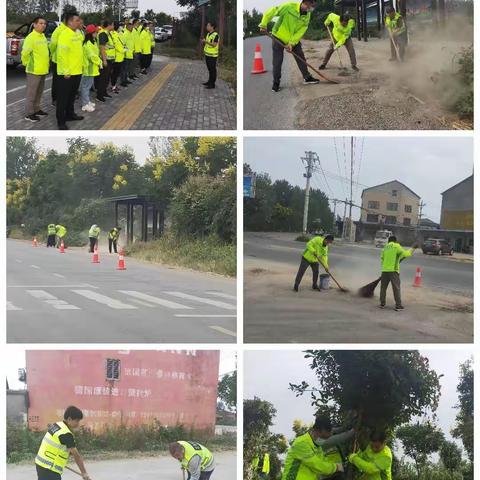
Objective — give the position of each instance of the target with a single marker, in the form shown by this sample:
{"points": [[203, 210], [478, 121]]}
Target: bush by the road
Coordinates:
{"points": [[209, 254], [23, 444]]}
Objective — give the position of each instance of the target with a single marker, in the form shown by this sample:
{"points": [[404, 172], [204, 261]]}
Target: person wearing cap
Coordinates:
{"points": [[315, 252], [292, 21], [146, 48], [36, 60], [91, 67]]}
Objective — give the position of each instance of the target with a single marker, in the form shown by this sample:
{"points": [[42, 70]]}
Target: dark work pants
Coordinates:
{"points": [[203, 475], [149, 60], [278, 52], [67, 91], [112, 243], [350, 49], [53, 68], [93, 242], [394, 279], [103, 79], [51, 240], [304, 264], [401, 42], [126, 69], [116, 69], [44, 474], [212, 69], [143, 61]]}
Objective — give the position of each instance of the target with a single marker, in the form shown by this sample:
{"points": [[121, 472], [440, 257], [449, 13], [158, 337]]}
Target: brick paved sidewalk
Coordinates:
{"points": [[170, 97]]}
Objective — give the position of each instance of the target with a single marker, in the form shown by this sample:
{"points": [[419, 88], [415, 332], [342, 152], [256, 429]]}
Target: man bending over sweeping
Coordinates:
{"points": [[392, 255], [194, 458], [315, 252]]}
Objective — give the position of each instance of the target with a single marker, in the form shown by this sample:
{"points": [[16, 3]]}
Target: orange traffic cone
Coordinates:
{"points": [[418, 278], [121, 260], [96, 258], [62, 247], [258, 66], [34, 242]]}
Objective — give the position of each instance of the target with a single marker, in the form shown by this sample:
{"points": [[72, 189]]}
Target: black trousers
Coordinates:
{"points": [[93, 242], [212, 69], [112, 243], [149, 60], [278, 53], [66, 94], [126, 69], [304, 264], [203, 475], [103, 79], [44, 474], [51, 240], [54, 81], [116, 69], [394, 279]]}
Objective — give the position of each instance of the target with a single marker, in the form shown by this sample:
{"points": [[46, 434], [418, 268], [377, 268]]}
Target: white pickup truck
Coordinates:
{"points": [[15, 41]]}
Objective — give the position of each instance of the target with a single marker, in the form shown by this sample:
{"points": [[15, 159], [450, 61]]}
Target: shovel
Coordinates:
{"points": [[73, 470], [394, 44], [302, 60], [342, 67]]}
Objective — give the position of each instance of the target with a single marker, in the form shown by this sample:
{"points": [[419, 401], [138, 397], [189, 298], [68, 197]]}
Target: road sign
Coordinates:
{"points": [[131, 3], [248, 186]]}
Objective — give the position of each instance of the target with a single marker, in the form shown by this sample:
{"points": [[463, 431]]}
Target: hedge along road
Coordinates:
{"points": [[57, 298], [162, 467]]}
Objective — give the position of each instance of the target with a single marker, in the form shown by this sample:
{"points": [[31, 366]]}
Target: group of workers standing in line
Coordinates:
{"points": [[323, 453], [56, 234], [316, 254], [292, 22], [81, 59]]}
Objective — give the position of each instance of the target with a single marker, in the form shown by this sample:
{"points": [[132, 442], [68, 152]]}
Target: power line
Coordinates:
{"points": [[360, 165], [338, 163]]}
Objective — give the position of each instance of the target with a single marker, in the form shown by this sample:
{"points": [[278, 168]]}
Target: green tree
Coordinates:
{"points": [[420, 440], [464, 421], [451, 456], [227, 390], [149, 15], [22, 157]]}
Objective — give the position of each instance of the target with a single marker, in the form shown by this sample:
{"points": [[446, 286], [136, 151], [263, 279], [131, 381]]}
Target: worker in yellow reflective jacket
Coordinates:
{"points": [[57, 446], [195, 459], [398, 34]]}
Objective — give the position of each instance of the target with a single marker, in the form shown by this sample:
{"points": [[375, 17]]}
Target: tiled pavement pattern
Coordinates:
{"points": [[182, 103]]}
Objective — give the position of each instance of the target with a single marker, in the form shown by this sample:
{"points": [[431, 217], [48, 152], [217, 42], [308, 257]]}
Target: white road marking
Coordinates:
{"points": [[223, 330], [203, 315], [80, 285], [50, 299], [21, 87], [35, 266], [11, 306], [215, 303], [22, 99], [18, 261], [59, 275], [108, 301], [158, 301], [145, 304], [222, 295]]}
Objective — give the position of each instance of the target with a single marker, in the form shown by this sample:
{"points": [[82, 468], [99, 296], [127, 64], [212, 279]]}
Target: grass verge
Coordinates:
{"points": [[207, 254]]}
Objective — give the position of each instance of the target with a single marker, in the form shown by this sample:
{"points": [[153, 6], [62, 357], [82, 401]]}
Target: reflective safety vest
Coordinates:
{"points": [[194, 448], [208, 50], [91, 59], [51, 229], [94, 232], [69, 53], [119, 47], [136, 40], [392, 24], [391, 255], [60, 230], [54, 41], [265, 466], [145, 42], [109, 46], [374, 466], [316, 249], [129, 43], [340, 33], [52, 455], [152, 39], [35, 54], [114, 234]]}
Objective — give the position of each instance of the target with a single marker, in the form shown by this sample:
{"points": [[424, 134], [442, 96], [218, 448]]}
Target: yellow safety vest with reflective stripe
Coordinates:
{"points": [[194, 448], [129, 43], [109, 46], [54, 41], [91, 59], [340, 33], [52, 455], [69, 53], [51, 229], [392, 24], [136, 40], [114, 234], [94, 232], [60, 230], [35, 54], [208, 50], [145, 43], [119, 47]]}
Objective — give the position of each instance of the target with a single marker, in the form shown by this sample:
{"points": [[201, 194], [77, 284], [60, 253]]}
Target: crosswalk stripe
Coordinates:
{"points": [[222, 295], [156, 300], [11, 306], [50, 299], [223, 330], [215, 303], [108, 301]]}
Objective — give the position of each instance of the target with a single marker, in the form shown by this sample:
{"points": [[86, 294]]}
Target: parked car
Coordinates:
{"points": [[169, 29], [15, 41], [161, 35], [437, 246], [381, 238]]}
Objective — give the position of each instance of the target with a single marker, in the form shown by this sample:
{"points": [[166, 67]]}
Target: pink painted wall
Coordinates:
{"points": [[171, 386]]}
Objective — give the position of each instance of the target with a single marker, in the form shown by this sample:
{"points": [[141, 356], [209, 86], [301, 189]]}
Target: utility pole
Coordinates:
{"points": [[344, 230], [420, 210], [309, 160], [335, 201]]}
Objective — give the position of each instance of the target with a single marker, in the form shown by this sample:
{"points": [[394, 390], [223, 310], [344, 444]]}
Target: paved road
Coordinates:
{"points": [[153, 468], [170, 97], [262, 108], [437, 272], [59, 298]]}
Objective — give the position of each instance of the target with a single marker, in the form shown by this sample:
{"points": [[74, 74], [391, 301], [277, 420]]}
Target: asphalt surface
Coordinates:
{"points": [[436, 272], [262, 108], [60, 298], [153, 468], [16, 86]]}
